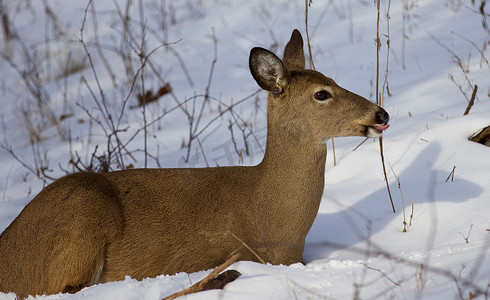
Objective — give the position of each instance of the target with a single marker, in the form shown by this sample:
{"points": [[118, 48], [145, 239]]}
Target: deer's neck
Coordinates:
{"points": [[294, 167], [291, 156], [292, 173]]}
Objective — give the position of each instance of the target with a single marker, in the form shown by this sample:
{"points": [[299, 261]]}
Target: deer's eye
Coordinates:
{"points": [[322, 95]]}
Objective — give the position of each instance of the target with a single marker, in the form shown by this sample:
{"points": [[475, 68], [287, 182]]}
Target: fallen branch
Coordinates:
{"points": [[482, 136], [472, 100], [201, 285]]}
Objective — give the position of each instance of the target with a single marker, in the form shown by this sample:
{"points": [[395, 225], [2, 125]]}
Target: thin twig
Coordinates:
{"points": [[229, 108], [104, 60], [382, 273], [210, 80], [202, 151], [135, 77], [182, 65], [194, 123], [105, 110], [482, 54]]}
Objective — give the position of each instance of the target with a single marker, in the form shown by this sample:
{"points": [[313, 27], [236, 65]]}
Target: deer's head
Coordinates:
{"points": [[307, 102]]}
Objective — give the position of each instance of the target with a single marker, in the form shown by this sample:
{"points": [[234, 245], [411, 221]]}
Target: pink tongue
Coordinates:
{"points": [[382, 127]]}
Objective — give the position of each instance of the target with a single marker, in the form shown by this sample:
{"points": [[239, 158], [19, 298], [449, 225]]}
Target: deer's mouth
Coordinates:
{"points": [[376, 130]]}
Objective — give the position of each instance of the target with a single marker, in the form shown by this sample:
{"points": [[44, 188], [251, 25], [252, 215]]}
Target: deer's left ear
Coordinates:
{"points": [[294, 55], [268, 71]]}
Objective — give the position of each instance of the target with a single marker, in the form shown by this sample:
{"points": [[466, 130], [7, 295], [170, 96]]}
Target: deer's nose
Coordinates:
{"points": [[382, 117]]}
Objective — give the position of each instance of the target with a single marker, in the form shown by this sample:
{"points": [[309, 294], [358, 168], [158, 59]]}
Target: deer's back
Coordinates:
{"points": [[178, 219]]}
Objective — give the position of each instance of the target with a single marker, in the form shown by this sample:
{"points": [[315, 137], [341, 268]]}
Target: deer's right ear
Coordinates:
{"points": [[268, 71]]}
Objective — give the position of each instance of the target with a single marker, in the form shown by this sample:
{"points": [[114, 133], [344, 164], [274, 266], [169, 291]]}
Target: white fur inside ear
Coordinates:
{"points": [[268, 70]]}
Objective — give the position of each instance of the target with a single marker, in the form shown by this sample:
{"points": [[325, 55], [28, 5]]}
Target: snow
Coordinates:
{"points": [[356, 248]]}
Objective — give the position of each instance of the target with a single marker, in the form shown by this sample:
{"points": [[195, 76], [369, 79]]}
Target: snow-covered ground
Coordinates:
{"points": [[356, 248]]}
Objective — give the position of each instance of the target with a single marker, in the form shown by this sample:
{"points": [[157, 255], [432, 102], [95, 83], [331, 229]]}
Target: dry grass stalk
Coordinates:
{"points": [[378, 98], [248, 247], [451, 175], [420, 280], [403, 203], [307, 4], [467, 237], [411, 216]]}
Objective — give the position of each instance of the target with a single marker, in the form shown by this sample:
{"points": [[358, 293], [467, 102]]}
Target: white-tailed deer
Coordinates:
{"points": [[88, 228]]}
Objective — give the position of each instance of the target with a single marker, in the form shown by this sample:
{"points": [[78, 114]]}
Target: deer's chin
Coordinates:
{"points": [[376, 130]]}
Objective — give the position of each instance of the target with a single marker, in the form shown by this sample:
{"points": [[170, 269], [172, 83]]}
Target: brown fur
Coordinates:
{"points": [[88, 228]]}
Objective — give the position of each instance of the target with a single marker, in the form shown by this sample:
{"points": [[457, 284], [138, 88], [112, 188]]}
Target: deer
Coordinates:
{"points": [[88, 228]]}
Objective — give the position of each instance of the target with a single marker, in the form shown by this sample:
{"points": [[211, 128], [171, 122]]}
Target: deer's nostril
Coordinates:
{"points": [[382, 117]]}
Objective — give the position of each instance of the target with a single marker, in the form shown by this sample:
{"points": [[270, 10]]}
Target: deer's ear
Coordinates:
{"points": [[268, 71], [294, 55]]}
